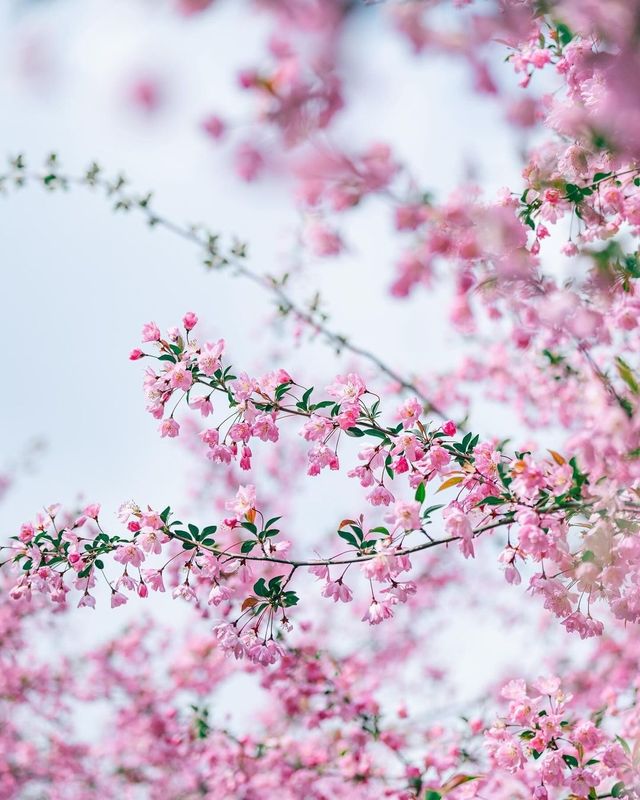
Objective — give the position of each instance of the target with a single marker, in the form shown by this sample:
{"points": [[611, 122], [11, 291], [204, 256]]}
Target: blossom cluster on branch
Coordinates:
{"points": [[542, 284]]}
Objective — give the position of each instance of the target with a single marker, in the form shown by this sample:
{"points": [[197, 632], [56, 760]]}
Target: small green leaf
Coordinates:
{"points": [[375, 432], [349, 538], [260, 588], [250, 527], [428, 511], [492, 501], [627, 375], [290, 599]]}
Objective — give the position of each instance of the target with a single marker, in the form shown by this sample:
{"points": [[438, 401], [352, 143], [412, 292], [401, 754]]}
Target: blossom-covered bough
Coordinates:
{"points": [[544, 280]]}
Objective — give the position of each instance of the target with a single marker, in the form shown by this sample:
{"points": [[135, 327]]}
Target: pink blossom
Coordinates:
{"points": [[184, 592], [406, 514], [212, 125], [87, 600], [92, 510], [449, 428], [377, 612], [380, 496], [243, 387], [337, 591], [169, 427], [153, 578], [117, 599], [209, 357], [129, 554], [180, 377], [244, 501], [150, 332], [151, 540], [410, 411], [347, 388], [190, 320]]}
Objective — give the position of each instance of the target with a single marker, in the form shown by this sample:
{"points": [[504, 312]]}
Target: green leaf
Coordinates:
{"points": [[617, 789], [565, 34], [554, 358], [349, 538], [290, 599], [574, 193], [260, 588], [626, 406], [250, 527], [304, 403], [627, 375], [431, 794], [322, 404], [194, 530], [600, 176], [570, 761], [428, 511], [421, 493], [247, 547], [624, 744], [165, 514], [209, 530], [375, 432], [355, 432], [282, 390]]}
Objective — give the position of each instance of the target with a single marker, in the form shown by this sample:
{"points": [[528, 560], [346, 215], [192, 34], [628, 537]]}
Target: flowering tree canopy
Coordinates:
{"points": [[333, 610]]}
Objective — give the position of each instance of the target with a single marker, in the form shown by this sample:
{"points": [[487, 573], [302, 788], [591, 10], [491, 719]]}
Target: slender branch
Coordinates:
{"points": [[208, 242], [328, 562]]}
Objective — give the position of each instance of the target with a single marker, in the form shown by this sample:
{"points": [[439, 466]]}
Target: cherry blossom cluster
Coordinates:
{"points": [[544, 275], [541, 741], [325, 729]]}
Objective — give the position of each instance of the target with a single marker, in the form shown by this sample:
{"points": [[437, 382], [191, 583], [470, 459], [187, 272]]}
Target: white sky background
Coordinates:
{"points": [[79, 281]]}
